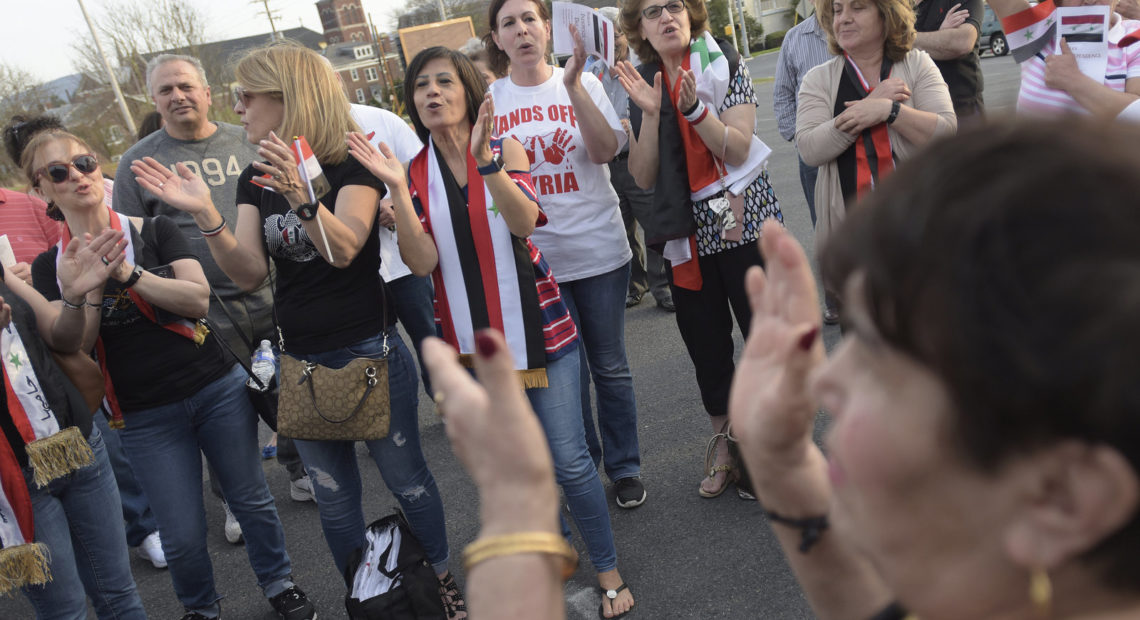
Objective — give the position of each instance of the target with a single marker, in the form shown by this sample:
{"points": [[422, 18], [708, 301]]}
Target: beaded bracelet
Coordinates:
{"points": [[522, 542], [214, 231]]}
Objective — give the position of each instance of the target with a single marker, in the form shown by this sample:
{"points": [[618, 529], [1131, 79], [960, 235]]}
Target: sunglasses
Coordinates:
{"points": [[245, 96], [654, 11], [60, 172]]}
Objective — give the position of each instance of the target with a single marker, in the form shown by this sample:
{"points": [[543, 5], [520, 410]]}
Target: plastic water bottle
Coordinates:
{"points": [[263, 365]]}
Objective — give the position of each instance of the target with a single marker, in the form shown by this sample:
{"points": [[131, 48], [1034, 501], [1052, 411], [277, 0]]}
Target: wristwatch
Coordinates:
{"points": [[308, 211], [895, 107], [493, 167], [134, 277]]}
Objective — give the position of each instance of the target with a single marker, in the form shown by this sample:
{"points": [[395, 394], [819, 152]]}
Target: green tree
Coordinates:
{"points": [[718, 22]]}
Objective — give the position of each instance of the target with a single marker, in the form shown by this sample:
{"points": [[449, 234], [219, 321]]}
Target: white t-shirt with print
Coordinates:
{"points": [[584, 235], [382, 126]]}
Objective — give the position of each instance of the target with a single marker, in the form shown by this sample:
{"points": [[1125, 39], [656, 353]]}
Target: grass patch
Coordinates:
{"points": [[763, 80], [769, 51]]}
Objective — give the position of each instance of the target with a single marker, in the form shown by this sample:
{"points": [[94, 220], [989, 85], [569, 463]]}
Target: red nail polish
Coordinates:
{"points": [[808, 339], [485, 345]]}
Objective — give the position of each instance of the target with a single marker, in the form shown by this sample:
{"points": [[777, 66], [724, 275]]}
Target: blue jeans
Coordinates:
{"points": [[336, 477], [412, 296], [559, 410], [597, 305], [166, 444], [77, 518], [136, 507], [808, 175]]}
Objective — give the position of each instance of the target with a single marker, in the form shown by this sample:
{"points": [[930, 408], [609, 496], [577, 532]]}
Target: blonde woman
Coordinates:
{"points": [[328, 294]]}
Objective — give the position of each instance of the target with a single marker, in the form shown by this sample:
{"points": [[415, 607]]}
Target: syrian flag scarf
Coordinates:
{"points": [[485, 277], [195, 331], [870, 158], [54, 449]]}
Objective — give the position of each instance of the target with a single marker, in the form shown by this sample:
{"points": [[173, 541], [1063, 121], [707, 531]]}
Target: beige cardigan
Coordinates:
{"points": [[820, 143]]}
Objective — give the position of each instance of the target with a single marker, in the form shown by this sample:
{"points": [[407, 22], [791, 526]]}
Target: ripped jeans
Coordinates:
{"points": [[332, 465]]}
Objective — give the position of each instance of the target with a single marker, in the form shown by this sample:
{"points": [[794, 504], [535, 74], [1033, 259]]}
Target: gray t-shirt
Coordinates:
{"points": [[219, 160]]}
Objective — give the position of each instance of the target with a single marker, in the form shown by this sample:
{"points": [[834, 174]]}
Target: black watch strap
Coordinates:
{"points": [[308, 211], [134, 278], [895, 107]]}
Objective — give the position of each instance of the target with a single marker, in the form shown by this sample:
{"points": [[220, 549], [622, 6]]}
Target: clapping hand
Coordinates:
{"points": [[184, 191], [646, 97], [481, 133], [87, 262], [381, 162], [687, 96], [572, 78]]}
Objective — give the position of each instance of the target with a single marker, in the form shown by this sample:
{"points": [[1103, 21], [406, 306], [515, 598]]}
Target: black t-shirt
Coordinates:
{"points": [[149, 364], [319, 307], [963, 75]]}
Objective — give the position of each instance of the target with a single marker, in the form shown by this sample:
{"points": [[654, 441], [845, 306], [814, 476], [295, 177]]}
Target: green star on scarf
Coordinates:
{"points": [[14, 359], [494, 209]]}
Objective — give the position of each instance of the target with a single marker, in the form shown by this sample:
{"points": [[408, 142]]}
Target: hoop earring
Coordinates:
{"points": [[1041, 592], [53, 211]]}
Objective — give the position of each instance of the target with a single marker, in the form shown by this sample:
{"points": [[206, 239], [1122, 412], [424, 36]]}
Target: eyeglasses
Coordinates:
{"points": [[60, 172], [654, 11], [242, 95]]}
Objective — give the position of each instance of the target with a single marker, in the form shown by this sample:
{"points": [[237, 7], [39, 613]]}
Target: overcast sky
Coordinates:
{"points": [[36, 35]]}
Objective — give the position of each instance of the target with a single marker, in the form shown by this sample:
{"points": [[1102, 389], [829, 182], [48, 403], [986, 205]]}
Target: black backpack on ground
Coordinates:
{"points": [[392, 575]]}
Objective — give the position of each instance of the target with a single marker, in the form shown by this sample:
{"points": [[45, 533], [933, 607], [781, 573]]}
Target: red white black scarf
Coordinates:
{"points": [[870, 158], [53, 450], [484, 277], [185, 328]]}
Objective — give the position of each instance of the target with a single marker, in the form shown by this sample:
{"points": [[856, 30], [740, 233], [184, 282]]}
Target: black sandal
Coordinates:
{"points": [[612, 596], [452, 597]]}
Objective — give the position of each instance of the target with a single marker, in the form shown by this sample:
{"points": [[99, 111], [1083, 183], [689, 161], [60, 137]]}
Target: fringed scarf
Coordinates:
{"points": [[485, 277], [195, 331], [870, 157], [713, 75], [54, 448]]}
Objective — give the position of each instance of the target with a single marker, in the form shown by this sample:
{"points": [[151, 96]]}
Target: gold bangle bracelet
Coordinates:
{"points": [[522, 542]]}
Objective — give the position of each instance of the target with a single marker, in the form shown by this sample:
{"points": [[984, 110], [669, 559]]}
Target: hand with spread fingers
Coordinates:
{"points": [[284, 177], [645, 96], [380, 162], [481, 132], [184, 191]]}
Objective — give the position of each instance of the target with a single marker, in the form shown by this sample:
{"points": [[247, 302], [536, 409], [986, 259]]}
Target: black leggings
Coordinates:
{"points": [[705, 320]]}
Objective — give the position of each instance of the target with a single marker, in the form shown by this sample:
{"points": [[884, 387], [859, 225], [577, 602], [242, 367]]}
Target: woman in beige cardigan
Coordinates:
{"points": [[877, 102]]}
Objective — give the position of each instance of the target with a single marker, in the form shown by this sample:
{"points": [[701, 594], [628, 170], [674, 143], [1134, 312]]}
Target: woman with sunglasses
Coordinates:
{"points": [[570, 131], [173, 390], [329, 299], [693, 113]]}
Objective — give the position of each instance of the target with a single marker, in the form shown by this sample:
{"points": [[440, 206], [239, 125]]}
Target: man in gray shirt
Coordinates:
{"points": [[217, 152], [804, 47]]}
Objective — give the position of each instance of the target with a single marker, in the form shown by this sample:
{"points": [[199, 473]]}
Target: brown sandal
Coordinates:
{"points": [[710, 458]]}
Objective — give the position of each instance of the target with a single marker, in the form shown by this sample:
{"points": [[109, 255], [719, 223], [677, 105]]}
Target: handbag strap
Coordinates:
{"points": [[369, 383], [225, 345]]}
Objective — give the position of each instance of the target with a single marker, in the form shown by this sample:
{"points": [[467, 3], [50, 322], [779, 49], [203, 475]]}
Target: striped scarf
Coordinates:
{"points": [[195, 331], [53, 450], [484, 277]]}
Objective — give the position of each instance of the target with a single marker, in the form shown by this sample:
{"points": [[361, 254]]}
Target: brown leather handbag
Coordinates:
{"points": [[321, 403]]}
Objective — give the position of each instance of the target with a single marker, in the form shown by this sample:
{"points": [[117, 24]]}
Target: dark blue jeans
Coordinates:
{"points": [[139, 519], [412, 296], [332, 465], [77, 517]]}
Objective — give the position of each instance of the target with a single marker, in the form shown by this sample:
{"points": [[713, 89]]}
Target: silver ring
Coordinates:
{"points": [[104, 259], [161, 184]]}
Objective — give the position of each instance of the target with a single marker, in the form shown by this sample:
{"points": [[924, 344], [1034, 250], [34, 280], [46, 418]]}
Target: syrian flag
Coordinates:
{"points": [[1029, 31]]}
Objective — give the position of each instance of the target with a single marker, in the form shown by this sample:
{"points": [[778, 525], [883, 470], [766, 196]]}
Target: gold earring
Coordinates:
{"points": [[1041, 592]]}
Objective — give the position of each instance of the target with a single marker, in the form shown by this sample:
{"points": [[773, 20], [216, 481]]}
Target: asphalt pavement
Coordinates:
{"points": [[684, 557]]}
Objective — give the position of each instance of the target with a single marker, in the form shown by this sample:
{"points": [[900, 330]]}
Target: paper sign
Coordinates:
{"points": [[1085, 28], [596, 31], [7, 257]]}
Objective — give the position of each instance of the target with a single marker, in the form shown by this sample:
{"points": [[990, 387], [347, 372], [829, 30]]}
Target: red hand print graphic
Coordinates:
{"points": [[557, 150]]}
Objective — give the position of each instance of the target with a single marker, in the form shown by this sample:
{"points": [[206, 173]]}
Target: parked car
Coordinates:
{"points": [[991, 36]]}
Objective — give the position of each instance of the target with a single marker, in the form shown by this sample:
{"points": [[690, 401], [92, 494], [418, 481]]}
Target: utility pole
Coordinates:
{"points": [[110, 73], [743, 29], [268, 13], [442, 11], [731, 24]]}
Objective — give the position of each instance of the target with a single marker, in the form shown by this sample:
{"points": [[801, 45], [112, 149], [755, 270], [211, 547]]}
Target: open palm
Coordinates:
{"points": [[81, 268], [646, 97], [380, 162], [184, 191]]}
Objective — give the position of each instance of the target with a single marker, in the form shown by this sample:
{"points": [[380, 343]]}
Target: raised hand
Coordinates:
{"points": [[87, 262], [687, 96], [573, 74], [892, 88], [955, 17], [557, 150], [646, 97], [184, 191], [481, 133], [380, 162], [770, 406], [284, 177]]}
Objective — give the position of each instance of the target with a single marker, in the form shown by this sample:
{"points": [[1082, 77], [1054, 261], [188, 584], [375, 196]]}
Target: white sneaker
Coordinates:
{"points": [[233, 528], [301, 490], [151, 550]]}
